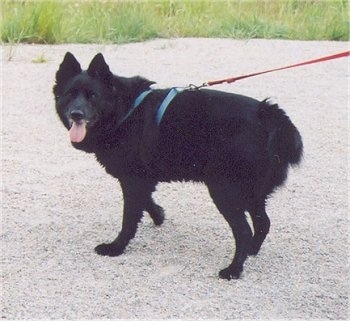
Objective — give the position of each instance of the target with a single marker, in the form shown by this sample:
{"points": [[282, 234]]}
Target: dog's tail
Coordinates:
{"points": [[284, 141]]}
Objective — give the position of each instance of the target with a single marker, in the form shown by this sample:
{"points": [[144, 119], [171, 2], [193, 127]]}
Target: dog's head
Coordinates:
{"points": [[91, 102], [81, 96]]}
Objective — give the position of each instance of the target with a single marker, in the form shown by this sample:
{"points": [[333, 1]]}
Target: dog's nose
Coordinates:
{"points": [[77, 115]]}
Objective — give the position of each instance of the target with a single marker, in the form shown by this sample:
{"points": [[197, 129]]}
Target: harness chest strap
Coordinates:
{"points": [[162, 108], [136, 103], [166, 102]]}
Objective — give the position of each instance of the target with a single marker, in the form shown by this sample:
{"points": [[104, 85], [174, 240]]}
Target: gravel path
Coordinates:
{"points": [[58, 203]]}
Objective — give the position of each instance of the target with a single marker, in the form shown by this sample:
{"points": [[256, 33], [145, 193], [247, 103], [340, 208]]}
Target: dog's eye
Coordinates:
{"points": [[71, 93], [92, 95]]}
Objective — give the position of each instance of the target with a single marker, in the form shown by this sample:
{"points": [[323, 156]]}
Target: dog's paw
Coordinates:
{"points": [[109, 249], [230, 273]]}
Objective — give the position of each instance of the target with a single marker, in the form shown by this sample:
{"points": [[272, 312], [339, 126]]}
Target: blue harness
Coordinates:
{"points": [[162, 108]]}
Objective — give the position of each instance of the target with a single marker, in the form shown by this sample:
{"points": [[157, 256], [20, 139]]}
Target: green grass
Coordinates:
{"points": [[129, 21], [40, 59]]}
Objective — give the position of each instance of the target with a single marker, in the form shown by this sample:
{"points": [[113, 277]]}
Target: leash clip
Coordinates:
{"points": [[193, 87]]}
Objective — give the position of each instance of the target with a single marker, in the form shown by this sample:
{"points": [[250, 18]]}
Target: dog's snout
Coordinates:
{"points": [[77, 115]]}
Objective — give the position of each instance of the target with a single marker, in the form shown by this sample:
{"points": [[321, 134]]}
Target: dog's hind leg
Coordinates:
{"points": [[261, 223], [155, 211], [137, 193], [227, 203]]}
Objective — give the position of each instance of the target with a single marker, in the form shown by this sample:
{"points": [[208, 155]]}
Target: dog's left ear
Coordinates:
{"points": [[98, 68]]}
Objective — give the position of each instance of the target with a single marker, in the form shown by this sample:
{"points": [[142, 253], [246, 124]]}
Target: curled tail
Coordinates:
{"points": [[284, 141]]}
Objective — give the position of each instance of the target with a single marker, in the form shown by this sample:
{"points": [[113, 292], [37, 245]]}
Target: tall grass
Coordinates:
{"points": [[128, 21]]}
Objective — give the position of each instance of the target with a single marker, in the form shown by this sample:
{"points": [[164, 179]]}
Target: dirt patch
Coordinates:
{"points": [[50, 226]]}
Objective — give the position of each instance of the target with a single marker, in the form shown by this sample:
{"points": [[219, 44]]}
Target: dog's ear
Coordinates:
{"points": [[99, 69], [69, 68]]}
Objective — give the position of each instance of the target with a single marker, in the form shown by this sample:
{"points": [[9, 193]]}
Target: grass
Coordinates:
{"points": [[55, 22], [40, 59]]}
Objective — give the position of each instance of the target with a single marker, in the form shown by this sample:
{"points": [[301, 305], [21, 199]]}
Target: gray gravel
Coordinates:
{"points": [[58, 203]]}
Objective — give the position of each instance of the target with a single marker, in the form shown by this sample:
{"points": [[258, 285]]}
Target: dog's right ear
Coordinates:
{"points": [[69, 68]]}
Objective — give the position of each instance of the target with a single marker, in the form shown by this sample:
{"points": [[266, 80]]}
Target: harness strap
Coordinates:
{"points": [[140, 98], [162, 108], [166, 102]]}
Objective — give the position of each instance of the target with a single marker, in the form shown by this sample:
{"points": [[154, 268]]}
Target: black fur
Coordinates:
{"points": [[239, 147]]}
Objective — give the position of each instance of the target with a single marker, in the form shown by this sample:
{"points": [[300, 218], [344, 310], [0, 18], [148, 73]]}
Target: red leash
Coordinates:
{"points": [[231, 80]]}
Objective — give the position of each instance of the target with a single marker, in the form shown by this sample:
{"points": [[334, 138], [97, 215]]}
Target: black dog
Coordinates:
{"points": [[239, 147]]}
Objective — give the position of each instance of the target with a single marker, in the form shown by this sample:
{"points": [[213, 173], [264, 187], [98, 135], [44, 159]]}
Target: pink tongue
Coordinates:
{"points": [[77, 132]]}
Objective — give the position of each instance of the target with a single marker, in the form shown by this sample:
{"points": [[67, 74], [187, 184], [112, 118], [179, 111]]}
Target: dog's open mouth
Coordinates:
{"points": [[77, 131]]}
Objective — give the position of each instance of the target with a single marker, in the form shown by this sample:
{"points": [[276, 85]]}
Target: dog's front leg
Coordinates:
{"points": [[136, 192]]}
